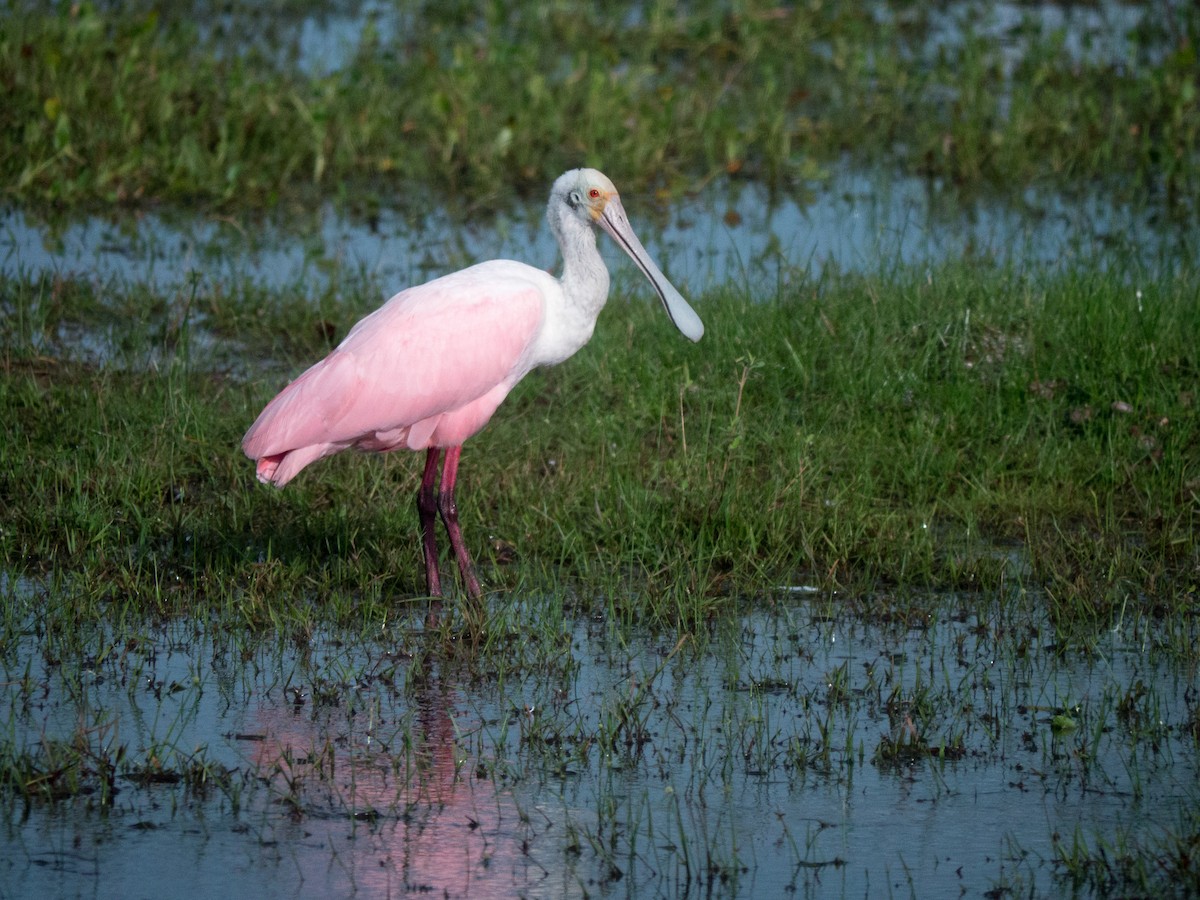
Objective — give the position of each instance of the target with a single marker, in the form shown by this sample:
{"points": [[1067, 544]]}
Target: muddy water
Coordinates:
{"points": [[752, 760]]}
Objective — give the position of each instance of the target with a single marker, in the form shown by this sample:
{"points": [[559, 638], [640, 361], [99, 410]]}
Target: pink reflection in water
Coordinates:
{"points": [[381, 801]]}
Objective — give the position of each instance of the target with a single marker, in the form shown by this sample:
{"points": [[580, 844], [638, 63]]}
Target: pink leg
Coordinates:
{"points": [[427, 510], [449, 510]]}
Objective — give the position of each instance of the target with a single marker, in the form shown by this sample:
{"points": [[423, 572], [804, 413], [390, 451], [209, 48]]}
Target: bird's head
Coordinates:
{"points": [[589, 195], [586, 192]]}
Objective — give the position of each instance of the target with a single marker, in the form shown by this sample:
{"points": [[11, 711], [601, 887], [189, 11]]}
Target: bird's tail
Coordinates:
{"points": [[268, 469]]}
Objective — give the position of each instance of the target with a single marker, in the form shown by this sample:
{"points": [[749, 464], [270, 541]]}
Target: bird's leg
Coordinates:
{"points": [[449, 510], [427, 506]]}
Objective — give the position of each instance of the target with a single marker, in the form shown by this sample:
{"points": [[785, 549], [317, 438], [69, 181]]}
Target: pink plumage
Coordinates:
{"points": [[428, 369]]}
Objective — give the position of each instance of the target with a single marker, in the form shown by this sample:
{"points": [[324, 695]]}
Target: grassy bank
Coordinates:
{"points": [[478, 101], [914, 430]]}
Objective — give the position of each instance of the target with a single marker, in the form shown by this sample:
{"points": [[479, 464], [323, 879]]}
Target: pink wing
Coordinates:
{"points": [[428, 368]]}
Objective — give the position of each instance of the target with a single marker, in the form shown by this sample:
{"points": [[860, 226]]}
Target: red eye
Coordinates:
{"points": [[594, 193]]}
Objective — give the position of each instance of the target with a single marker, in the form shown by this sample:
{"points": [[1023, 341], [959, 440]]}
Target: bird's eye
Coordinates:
{"points": [[594, 193]]}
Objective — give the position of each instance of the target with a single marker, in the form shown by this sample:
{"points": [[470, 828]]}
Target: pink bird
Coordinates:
{"points": [[427, 369]]}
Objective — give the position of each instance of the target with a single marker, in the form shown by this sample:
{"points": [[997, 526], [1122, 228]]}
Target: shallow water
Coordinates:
{"points": [[325, 40], [745, 761], [853, 222]]}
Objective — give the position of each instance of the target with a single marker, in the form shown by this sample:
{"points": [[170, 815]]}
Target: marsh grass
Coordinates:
{"points": [[477, 101], [853, 432]]}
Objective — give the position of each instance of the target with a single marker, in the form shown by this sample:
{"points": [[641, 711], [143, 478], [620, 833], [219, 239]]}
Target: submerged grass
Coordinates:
{"points": [[616, 755], [131, 105], [918, 430]]}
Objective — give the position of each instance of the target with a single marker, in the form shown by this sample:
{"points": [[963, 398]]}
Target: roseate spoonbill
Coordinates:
{"points": [[427, 369]]}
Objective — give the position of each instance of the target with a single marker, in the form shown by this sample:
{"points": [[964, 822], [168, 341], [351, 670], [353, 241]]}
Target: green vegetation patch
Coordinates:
{"points": [[943, 429], [477, 101]]}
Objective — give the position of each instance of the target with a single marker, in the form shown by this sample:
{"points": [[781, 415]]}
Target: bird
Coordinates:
{"points": [[428, 368]]}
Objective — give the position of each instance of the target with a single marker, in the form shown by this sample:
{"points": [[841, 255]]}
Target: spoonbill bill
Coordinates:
{"points": [[427, 369]]}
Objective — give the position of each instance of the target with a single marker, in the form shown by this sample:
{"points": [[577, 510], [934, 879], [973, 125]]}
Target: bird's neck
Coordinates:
{"points": [[584, 275]]}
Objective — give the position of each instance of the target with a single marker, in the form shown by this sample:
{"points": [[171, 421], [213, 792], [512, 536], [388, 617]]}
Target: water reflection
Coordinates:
{"points": [[420, 819], [747, 761]]}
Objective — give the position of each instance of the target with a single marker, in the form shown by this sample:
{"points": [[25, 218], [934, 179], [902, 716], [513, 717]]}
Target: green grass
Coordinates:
{"points": [[478, 101], [855, 432]]}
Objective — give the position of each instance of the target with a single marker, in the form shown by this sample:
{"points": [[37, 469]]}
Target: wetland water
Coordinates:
{"points": [[819, 746], [775, 754], [852, 222], [769, 756], [778, 753]]}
